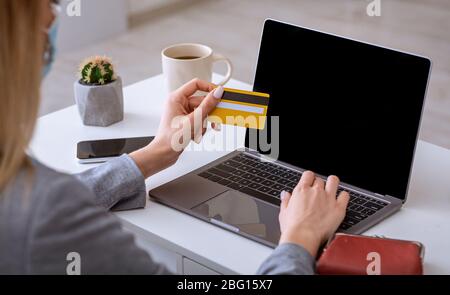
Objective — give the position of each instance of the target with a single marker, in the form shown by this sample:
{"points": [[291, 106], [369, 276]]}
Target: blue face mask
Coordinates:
{"points": [[49, 55]]}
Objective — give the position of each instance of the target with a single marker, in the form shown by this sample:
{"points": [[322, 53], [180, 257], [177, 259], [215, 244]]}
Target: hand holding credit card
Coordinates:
{"points": [[241, 108]]}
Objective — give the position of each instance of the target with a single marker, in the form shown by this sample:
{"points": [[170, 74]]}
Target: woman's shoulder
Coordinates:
{"points": [[42, 186], [44, 172], [51, 185], [36, 198], [46, 179]]}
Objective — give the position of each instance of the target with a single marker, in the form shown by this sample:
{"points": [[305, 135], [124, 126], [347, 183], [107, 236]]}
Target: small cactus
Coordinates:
{"points": [[97, 70]]}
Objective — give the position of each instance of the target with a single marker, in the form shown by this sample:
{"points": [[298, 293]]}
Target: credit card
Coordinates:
{"points": [[241, 108]]}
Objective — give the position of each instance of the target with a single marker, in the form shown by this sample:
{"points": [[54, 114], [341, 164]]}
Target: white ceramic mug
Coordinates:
{"points": [[184, 62]]}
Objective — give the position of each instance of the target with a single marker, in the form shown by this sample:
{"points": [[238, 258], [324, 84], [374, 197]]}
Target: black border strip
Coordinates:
{"points": [[245, 98]]}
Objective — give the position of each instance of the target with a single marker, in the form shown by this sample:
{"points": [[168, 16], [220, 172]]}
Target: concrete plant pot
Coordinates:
{"points": [[100, 105]]}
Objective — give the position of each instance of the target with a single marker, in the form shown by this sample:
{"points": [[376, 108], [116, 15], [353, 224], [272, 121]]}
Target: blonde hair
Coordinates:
{"points": [[21, 51]]}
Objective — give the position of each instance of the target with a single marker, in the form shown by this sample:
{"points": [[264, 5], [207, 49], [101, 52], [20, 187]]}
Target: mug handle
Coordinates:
{"points": [[220, 57]]}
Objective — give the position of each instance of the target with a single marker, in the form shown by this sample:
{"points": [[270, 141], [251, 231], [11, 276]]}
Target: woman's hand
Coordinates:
{"points": [[312, 213], [183, 120], [186, 113]]}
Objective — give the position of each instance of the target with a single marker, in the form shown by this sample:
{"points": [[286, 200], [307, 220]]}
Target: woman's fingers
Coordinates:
{"points": [[318, 182], [209, 103], [332, 185], [198, 117], [195, 101], [285, 198], [341, 208], [195, 85], [342, 202], [307, 179]]}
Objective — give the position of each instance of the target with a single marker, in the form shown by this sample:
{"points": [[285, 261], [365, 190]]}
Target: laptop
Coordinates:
{"points": [[345, 108]]}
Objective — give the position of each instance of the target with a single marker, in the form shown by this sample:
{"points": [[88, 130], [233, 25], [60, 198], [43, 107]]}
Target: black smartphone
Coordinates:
{"points": [[99, 151]]}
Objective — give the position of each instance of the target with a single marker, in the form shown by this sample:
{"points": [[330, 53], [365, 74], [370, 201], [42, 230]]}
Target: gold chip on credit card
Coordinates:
{"points": [[241, 108]]}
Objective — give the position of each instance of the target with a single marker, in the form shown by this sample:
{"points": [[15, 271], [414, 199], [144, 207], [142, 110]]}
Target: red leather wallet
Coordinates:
{"points": [[362, 255]]}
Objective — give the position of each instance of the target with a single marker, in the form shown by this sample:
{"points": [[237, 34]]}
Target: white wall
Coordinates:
{"points": [[99, 20]]}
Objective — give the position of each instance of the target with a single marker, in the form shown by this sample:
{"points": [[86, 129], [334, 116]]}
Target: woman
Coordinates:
{"points": [[44, 215]]}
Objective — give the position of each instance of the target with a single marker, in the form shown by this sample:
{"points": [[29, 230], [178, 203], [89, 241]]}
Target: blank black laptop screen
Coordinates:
{"points": [[345, 107]]}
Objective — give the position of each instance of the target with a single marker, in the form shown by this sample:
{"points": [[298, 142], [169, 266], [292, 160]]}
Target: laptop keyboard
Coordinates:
{"points": [[266, 180], [359, 208]]}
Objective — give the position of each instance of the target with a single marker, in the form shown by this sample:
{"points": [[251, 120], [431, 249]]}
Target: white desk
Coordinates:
{"points": [[191, 246]]}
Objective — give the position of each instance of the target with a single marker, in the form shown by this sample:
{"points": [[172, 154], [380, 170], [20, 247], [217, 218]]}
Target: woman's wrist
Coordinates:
{"points": [[306, 238], [155, 157]]}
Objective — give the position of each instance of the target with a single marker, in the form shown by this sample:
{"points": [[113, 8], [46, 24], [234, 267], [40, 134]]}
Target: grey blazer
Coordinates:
{"points": [[46, 215]]}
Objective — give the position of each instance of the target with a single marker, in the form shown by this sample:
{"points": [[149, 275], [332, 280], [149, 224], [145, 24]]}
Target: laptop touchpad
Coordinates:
{"points": [[248, 214]]}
